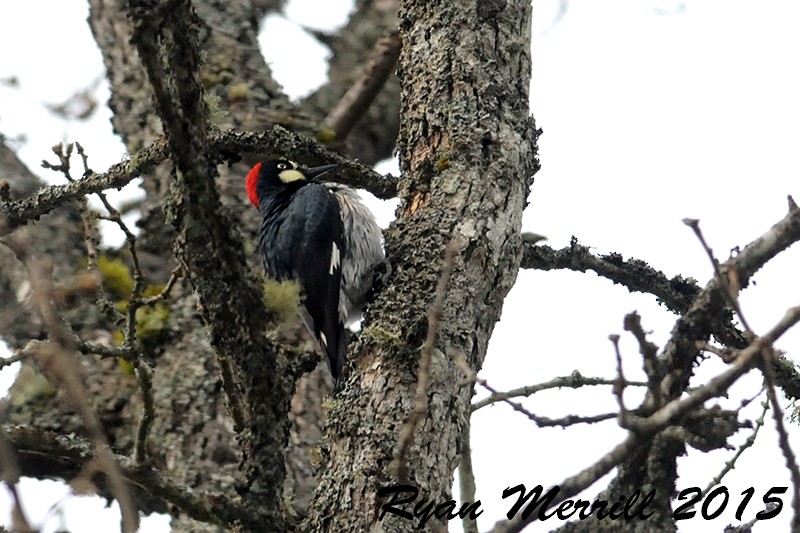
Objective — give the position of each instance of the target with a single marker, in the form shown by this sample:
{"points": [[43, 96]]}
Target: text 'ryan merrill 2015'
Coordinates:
{"points": [[402, 496]]}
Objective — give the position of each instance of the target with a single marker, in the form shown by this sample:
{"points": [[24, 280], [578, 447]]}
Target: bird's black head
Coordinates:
{"points": [[278, 173]]}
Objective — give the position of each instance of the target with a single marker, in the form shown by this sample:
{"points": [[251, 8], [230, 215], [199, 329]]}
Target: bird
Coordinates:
{"points": [[321, 235]]}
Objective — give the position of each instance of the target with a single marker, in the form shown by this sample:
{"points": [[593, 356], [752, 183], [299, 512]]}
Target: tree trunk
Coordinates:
{"points": [[468, 154]]}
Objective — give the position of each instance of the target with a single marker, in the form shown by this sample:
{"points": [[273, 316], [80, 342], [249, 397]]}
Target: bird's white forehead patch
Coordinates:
{"points": [[291, 174], [335, 258]]}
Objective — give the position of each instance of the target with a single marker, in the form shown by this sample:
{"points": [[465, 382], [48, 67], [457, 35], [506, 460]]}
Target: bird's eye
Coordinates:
{"points": [[282, 166]]}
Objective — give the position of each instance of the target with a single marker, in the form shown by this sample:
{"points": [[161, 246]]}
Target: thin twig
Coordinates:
{"points": [[466, 480], [135, 300], [619, 383], [729, 282], [725, 354], [573, 381], [8, 361], [398, 466], [649, 351], [710, 307], [126, 353], [472, 377], [731, 464], [720, 383], [144, 375], [10, 474], [164, 294], [541, 421], [22, 211], [91, 237], [783, 437]]}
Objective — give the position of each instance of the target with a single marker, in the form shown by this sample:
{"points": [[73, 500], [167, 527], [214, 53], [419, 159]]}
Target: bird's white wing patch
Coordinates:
{"points": [[335, 258]]}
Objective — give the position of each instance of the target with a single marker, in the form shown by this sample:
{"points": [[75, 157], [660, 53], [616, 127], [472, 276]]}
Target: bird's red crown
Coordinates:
{"points": [[252, 182]]}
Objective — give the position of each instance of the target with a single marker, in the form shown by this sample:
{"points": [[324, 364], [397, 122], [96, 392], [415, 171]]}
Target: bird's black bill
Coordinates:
{"points": [[316, 172]]}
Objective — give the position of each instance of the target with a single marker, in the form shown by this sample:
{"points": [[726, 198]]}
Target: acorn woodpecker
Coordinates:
{"points": [[321, 235]]}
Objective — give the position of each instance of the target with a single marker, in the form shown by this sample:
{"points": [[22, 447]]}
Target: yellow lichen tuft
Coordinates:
{"points": [[382, 336], [151, 320], [238, 92], [126, 367], [117, 278], [282, 299], [326, 136], [215, 110], [315, 454], [152, 290], [328, 403], [118, 337], [151, 324], [30, 386], [442, 163], [209, 78]]}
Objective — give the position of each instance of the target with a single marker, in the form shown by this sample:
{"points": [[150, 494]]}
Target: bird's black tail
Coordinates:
{"points": [[337, 356]]}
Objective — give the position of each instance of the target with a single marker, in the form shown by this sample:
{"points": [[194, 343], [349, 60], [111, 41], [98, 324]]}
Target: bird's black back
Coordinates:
{"points": [[300, 226]]}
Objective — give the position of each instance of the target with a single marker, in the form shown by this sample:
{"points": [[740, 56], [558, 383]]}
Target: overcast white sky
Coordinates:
{"points": [[652, 111]]}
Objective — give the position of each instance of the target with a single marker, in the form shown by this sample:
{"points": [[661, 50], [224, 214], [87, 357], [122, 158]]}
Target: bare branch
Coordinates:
{"points": [[223, 144], [91, 237], [649, 352], [717, 385], [466, 480], [675, 293], [573, 381], [164, 294], [575, 484], [8, 361], [706, 315], [731, 463], [21, 212], [541, 421], [619, 383], [357, 99], [728, 280], [65, 456], [280, 141], [783, 437], [144, 376], [678, 293], [136, 301]]}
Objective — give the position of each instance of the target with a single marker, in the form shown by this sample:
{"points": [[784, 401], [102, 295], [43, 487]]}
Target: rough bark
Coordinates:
{"points": [[468, 154]]}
